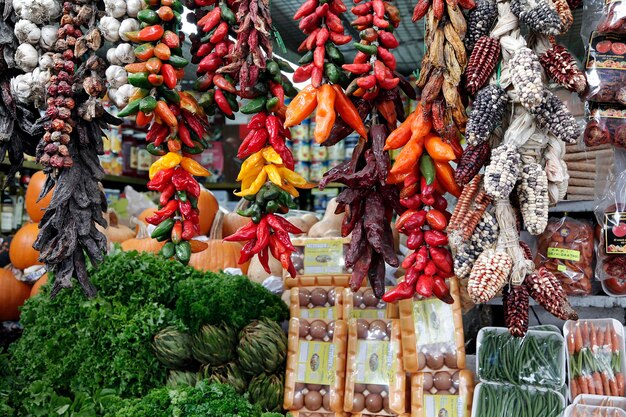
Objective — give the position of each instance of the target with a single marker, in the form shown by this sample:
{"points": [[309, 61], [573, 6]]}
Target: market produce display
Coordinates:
{"points": [[507, 400]]}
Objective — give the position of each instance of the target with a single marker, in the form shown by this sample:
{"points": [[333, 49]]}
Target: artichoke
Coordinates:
{"points": [[181, 379], [214, 345], [173, 348], [262, 347], [228, 374], [266, 391]]}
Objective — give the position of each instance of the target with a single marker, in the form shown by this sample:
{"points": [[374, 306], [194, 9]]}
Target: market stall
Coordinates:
{"points": [[312, 208]]}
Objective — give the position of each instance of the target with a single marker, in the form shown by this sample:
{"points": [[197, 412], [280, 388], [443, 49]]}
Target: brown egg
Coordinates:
{"points": [[298, 264], [326, 401], [331, 296], [443, 381], [389, 329], [455, 380], [318, 330], [358, 402], [359, 387], [421, 360], [377, 330], [319, 296], [305, 296], [299, 386], [357, 299], [369, 298], [386, 404], [374, 403], [313, 387], [428, 381], [298, 400], [330, 329], [362, 328], [375, 389], [304, 328], [449, 358], [313, 400], [434, 362]]}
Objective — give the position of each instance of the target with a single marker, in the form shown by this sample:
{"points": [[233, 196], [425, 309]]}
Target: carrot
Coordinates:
{"points": [[619, 377], [582, 383], [578, 338], [571, 343], [615, 340], [608, 339], [593, 340], [591, 384], [613, 389], [600, 337], [605, 383], [574, 389], [585, 332]]}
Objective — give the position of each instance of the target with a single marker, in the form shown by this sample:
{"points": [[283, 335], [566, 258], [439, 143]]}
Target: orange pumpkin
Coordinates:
{"points": [[143, 215], [36, 289], [142, 242], [207, 204], [115, 232], [219, 254], [21, 251], [34, 208], [233, 221], [13, 293]]}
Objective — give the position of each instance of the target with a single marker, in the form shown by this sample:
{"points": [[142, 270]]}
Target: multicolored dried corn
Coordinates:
{"points": [[481, 64], [488, 110], [525, 70], [472, 161], [539, 15], [552, 116], [532, 193], [565, 13], [502, 172], [489, 275], [515, 302], [484, 237], [561, 66], [480, 20], [546, 290]]}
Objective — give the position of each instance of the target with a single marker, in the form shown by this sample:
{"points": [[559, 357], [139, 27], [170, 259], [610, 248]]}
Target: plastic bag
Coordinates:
{"points": [[605, 66], [606, 125], [493, 399], [601, 401], [595, 353], [537, 359], [433, 392], [614, 19], [611, 216], [565, 248], [137, 202]]}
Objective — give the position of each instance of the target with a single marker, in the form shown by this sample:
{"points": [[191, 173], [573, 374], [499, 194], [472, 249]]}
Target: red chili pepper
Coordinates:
{"points": [[413, 203], [155, 79], [424, 286], [282, 224], [209, 63], [305, 9], [180, 178], [379, 8], [246, 251], [339, 38], [210, 20], [222, 103], [171, 39], [185, 136], [431, 268], [380, 23], [321, 11], [167, 194], [194, 123], [255, 144], [389, 83], [272, 124], [284, 152], [440, 203], [221, 49], [257, 121], [166, 212], [309, 42], [177, 232], [262, 236], [160, 179], [185, 209], [403, 219], [309, 23], [192, 187], [151, 33], [436, 220], [336, 7], [318, 57], [155, 131], [421, 259], [365, 20], [362, 9], [189, 229], [283, 237], [316, 76], [303, 73], [402, 291], [244, 233], [220, 81], [387, 57], [264, 260], [366, 82], [277, 90], [357, 69], [220, 33], [441, 290], [169, 76], [435, 238], [442, 259], [361, 58], [425, 188], [387, 40], [379, 70], [415, 240], [415, 221], [409, 260], [411, 276], [322, 37]]}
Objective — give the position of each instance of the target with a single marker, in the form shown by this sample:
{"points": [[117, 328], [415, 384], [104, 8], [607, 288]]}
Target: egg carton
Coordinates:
{"points": [[433, 392], [363, 304], [316, 303]]}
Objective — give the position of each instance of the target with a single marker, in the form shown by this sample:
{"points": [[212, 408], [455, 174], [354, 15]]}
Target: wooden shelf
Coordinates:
{"points": [[574, 207]]}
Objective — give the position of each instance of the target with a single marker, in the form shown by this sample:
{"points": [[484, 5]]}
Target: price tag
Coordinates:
{"points": [[324, 257]]}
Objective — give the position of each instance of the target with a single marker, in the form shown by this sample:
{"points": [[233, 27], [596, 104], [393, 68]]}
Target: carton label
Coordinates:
{"points": [[443, 406], [565, 254], [615, 233], [316, 363], [374, 362], [324, 256], [434, 322]]}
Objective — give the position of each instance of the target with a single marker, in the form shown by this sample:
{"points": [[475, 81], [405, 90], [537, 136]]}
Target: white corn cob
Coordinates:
{"points": [[502, 172], [532, 192], [525, 71], [488, 276], [552, 116], [484, 237]]}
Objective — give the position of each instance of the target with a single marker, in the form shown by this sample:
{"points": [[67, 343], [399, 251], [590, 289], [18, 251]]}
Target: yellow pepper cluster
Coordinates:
{"points": [[172, 160]]}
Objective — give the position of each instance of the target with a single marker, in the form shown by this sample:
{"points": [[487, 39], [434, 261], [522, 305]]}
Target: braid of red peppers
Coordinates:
{"points": [[267, 176], [177, 129], [369, 201], [69, 151]]}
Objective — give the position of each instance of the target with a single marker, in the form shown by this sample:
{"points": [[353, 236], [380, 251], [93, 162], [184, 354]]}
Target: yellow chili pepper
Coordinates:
{"points": [[252, 160], [247, 181], [189, 103], [255, 186], [271, 156], [273, 174], [293, 178], [169, 160], [290, 189], [194, 168], [252, 170]]}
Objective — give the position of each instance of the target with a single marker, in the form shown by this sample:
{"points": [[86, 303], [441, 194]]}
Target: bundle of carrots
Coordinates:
{"points": [[595, 359]]}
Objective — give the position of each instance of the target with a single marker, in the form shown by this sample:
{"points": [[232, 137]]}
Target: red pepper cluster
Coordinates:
{"points": [[424, 223], [270, 235], [321, 22], [374, 63], [267, 128]]}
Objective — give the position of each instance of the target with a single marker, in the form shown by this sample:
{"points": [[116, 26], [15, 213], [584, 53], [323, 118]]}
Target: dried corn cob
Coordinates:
{"points": [[546, 290], [561, 66], [480, 20], [502, 172], [552, 116], [532, 193], [525, 71], [540, 16], [488, 275], [488, 110], [484, 237], [565, 13], [481, 64], [472, 161], [515, 302]]}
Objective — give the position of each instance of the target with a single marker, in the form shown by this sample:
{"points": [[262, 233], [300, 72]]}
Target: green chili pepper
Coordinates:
{"points": [[168, 250], [183, 252], [254, 106], [366, 49], [427, 168], [131, 108], [139, 79], [163, 229]]}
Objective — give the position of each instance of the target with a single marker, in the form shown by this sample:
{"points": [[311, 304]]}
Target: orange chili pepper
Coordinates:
{"points": [[438, 149], [154, 65], [165, 13], [166, 2], [387, 109], [143, 119], [325, 115], [348, 112], [422, 124], [162, 51], [409, 155], [359, 92], [174, 145], [149, 34], [401, 135], [166, 115], [136, 67], [397, 178], [445, 178], [301, 106], [456, 145]]}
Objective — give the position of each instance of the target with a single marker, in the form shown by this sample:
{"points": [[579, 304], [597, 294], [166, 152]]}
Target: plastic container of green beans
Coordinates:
{"points": [[492, 399], [537, 359]]}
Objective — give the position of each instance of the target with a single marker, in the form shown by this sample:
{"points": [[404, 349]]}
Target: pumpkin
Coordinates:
{"points": [[36, 289], [21, 250], [330, 225], [115, 232], [257, 273], [142, 242], [13, 293], [208, 207], [34, 208], [145, 214], [219, 254], [233, 221]]}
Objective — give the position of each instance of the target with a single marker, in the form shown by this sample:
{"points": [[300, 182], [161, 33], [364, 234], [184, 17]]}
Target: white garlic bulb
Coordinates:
{"points": [[110, 28], [26, 57], [128, 25]]}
